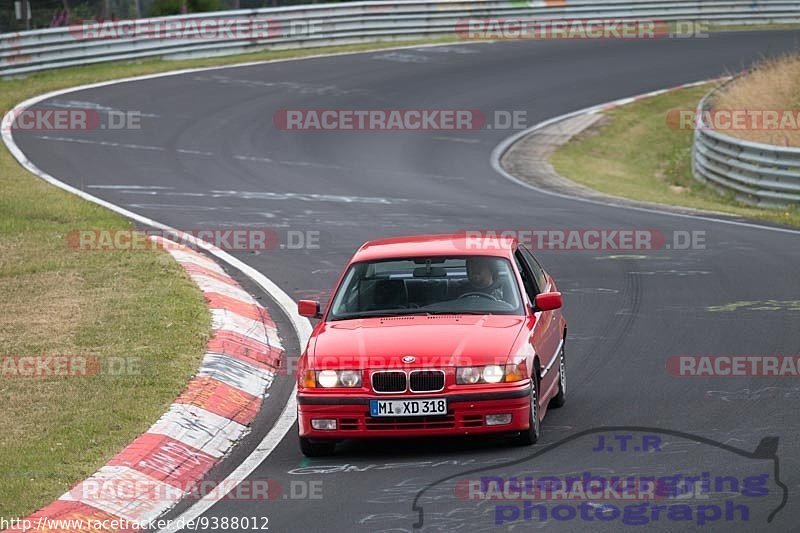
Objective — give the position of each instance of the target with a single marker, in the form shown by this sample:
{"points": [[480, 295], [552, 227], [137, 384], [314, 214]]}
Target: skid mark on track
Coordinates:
{"points": [[616, 330], [317, 469]]}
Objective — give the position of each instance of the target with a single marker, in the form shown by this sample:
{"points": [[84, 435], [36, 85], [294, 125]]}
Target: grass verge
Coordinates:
{"points": [[635, 154], [137, 313]]}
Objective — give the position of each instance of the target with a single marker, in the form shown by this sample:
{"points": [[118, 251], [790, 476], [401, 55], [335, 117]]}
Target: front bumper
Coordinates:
{"points": [[466, 414]]}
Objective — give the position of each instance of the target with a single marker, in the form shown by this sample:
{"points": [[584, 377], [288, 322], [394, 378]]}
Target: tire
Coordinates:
{"points": [[317, 448], [561, 398], [532, 434]]}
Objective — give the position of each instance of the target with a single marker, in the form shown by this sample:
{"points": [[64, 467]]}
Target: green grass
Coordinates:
{"points": [[136, 307], [754, 27], [635, 154]]}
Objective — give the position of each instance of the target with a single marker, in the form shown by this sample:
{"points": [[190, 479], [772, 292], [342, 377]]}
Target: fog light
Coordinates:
{"points": [[498, 420], [323, 423]]}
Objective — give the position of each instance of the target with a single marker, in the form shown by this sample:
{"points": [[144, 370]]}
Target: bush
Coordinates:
{"points": [[205, 5], [162, 8]]}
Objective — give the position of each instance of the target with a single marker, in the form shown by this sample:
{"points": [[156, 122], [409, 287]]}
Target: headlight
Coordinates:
{"points": [[470, 375], [493, 374], [327, 378], [350, 378], [333, 378]]}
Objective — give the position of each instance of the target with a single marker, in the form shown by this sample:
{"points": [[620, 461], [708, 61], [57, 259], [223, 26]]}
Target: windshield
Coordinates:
{"points": [[427, 285]]}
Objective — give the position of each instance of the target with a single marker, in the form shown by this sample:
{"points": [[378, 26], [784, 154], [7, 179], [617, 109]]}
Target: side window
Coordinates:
{"points": [[538, 272], [527, 278]]}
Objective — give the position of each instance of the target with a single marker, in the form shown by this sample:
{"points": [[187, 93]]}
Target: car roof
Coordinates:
{"points": [[477, 243]]}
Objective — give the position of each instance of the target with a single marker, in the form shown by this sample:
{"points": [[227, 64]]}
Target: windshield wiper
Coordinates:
{"points": [[388, 313], [379, 313], [420, 312], [459, 313]]}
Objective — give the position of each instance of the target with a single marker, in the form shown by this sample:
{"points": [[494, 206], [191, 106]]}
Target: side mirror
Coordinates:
{"points": [[309, 308], [547, 301]]}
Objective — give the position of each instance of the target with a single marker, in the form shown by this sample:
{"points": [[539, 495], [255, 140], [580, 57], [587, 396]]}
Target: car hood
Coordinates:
{"points": [[438, 340]]}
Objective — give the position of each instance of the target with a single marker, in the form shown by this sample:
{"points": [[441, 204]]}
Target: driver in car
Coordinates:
{"points": [[482, 277]]}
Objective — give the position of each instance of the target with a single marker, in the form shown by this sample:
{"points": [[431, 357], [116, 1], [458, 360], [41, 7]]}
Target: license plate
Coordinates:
{"points": [[408, 407]]}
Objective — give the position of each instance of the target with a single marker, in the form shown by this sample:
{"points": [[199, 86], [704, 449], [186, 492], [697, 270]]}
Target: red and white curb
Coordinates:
{"points": [[625, 101], [214, 411]]}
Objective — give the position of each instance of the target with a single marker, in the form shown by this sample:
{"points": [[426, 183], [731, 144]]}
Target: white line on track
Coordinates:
{"points": [[251, 158], [132, 187], [100, 143], [193, 152]]}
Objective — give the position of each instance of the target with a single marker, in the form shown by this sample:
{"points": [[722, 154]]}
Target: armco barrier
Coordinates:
{"points": [[757, 173], [345, 23]]}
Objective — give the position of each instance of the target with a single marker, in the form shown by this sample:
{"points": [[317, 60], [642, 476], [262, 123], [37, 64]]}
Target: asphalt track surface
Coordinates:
{"points": [[210, 146]]}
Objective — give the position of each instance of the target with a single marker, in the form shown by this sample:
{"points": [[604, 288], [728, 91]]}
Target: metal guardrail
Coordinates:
{"points": [[756, 173], [346, 23]]}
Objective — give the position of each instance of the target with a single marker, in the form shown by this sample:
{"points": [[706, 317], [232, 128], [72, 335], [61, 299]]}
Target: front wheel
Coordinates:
{"points": [[317, 448], [561, 398], [531, 435]]}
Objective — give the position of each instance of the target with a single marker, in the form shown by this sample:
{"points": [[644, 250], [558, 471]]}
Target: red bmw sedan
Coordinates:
{"points": [[433, 335]]}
